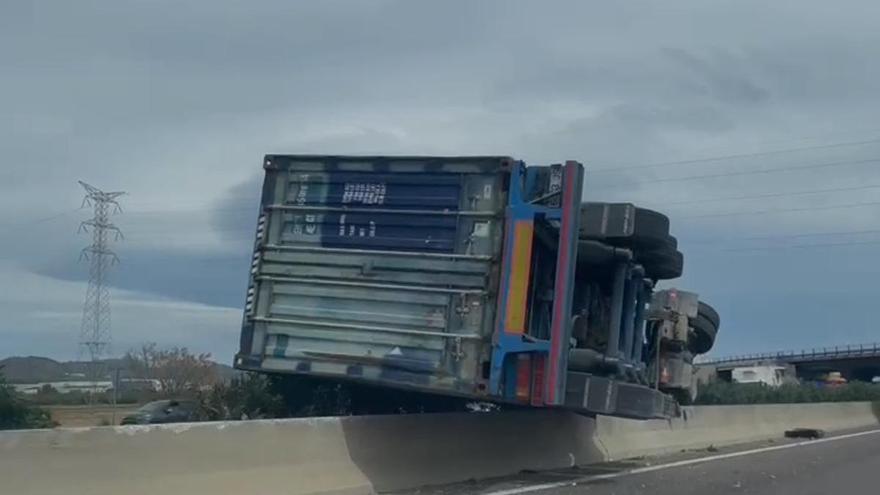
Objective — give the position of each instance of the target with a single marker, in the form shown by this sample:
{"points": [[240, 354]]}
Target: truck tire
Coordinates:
{"points": [[668, 244], [623, 224], [651, 226], [710, 314], [703, 337], [662, 264]]}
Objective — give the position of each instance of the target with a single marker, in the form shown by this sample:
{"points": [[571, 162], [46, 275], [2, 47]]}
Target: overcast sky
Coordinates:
{"points": [[677, 105]]}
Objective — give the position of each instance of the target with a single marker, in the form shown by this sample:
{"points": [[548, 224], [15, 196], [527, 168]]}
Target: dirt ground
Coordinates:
{"points": [[89, 415]]}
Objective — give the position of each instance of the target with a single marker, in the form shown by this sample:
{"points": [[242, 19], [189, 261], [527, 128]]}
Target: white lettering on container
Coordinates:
{"points": [[366, 193]]}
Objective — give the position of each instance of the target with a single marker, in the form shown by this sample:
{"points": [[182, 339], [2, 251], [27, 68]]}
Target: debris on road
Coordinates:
{"points": [[810, 433]]}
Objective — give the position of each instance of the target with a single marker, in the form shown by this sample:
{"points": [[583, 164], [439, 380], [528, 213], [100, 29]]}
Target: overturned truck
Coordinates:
{"points": [[473, 277]]}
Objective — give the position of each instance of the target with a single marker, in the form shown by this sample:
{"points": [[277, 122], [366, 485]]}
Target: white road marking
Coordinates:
{"points": [[671, 465]]}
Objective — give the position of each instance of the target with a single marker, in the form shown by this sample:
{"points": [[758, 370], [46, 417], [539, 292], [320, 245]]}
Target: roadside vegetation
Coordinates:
{"points": [[247, 396], [16, 413], [183, 375], [726, 393]]}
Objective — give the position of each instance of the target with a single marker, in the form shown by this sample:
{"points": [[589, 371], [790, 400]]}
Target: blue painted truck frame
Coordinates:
{"points": [[546, 361]]}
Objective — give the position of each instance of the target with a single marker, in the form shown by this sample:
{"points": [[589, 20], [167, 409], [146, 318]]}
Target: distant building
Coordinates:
{"points": [[772, 375], [68, 386], [65, 387]]}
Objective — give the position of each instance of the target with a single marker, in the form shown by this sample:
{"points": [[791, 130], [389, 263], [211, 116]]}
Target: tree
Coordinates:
{"points": [[17, 414], [140, 362], [176, 369]]}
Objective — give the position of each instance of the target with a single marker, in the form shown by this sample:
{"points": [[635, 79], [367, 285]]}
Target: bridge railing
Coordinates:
{"points": [[836, 352]]}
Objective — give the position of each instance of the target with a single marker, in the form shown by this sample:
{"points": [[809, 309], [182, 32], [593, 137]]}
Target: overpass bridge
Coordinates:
{"points": [[854, 362]]}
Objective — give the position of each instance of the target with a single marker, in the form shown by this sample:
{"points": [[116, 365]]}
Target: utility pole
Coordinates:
{"points": [[115, 397], [95, 336]]}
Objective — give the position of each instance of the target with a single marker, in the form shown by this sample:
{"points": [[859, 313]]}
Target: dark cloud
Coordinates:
{"points": [[208, 279], [236, 213], [721, 75]]}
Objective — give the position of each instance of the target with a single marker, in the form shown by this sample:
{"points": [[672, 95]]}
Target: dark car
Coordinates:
{"points": [[163, 411]]}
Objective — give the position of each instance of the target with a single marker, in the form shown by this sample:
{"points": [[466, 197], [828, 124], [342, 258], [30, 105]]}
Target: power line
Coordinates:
{"points": [[782, 236], [709, 215], [252, 208], [798, 235], [785, 210], [803, 246], [52, 217], [732, 156], [768, 195], [746, 172], [41, 220], [805, 140], [663, 203]]}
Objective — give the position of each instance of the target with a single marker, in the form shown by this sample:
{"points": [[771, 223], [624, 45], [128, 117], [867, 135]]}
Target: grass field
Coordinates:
{"points": [[89, 415]]}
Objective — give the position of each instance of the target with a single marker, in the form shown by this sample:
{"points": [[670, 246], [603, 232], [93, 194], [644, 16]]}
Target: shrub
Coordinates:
{"points": [[15, 413], [247, 396], [722, 393]]}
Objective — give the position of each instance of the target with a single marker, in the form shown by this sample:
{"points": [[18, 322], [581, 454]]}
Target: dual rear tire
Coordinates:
{"points": [[644, 231]]}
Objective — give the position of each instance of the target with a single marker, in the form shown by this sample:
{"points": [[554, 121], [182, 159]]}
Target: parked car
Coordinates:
{"points": [[163, 411]]}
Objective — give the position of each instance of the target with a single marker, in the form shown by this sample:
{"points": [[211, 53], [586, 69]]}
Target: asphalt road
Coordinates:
{"points": [[839, 465], [847, 466]]}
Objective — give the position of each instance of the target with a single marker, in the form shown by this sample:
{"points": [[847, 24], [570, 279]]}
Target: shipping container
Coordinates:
{"points": [[457, 276]]}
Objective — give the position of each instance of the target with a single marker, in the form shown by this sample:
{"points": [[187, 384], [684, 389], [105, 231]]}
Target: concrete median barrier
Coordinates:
{"points": [[355, 455], [704, 426], [363, 455], [400, 452], [306, 456]]}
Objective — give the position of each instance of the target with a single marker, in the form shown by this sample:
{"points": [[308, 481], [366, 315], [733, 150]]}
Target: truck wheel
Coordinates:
{"points": [[623, 224], [704, 333], [662, 264], [651, 227], [710, 314]]}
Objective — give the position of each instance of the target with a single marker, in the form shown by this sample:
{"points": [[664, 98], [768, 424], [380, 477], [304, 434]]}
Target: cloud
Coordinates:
{"points": [[177, 105], [43, 314], [722, 75]]}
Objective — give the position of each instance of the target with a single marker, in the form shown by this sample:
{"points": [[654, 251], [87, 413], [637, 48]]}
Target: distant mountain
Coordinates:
{"points": [[37, 369], [32, 369]]}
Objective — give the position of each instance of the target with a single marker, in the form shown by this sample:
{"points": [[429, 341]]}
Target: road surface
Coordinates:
{"points": [[847, 464]]}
